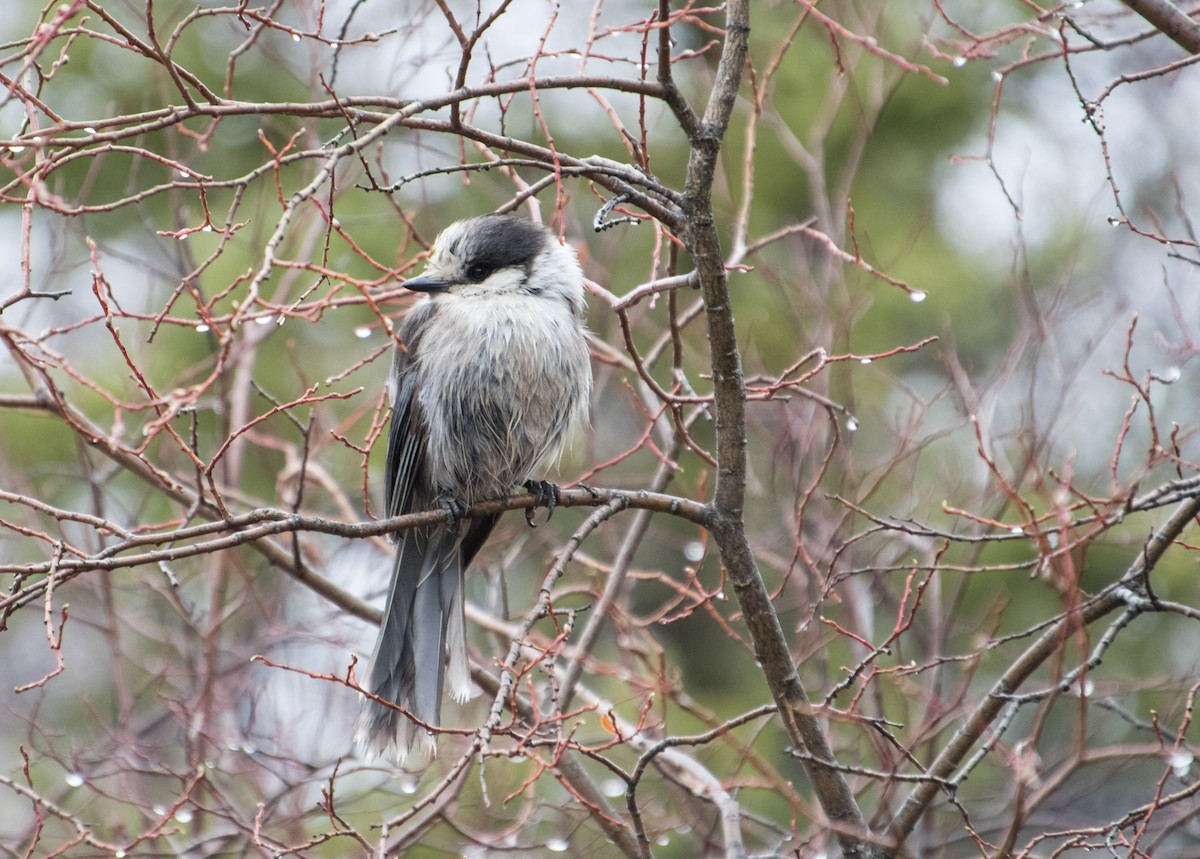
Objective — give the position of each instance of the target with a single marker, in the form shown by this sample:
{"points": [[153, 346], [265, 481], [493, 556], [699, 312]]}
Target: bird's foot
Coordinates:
{"points": [[454, 514], [545, 493]]}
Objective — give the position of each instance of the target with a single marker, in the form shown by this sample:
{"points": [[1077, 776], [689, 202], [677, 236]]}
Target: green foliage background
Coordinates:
{"points": [[1027, 315]]}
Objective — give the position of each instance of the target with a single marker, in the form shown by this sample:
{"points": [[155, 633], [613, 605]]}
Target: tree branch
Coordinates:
{"points": [[1113, 597], [1171, 21], [728, 525]]}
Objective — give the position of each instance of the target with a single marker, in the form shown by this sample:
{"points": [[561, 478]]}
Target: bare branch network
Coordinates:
{"points": [[879, 542]]}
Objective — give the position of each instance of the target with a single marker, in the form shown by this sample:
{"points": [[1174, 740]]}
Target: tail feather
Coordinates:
{"points": [[430, 611], [407, 667], [458, 672], [423, 618]]}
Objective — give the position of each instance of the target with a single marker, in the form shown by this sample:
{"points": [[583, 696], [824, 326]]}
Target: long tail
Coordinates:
{"points": [[424, 608]]}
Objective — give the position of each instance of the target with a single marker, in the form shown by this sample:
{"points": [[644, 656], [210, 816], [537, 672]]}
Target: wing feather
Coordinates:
{"points": [[406, 435]]}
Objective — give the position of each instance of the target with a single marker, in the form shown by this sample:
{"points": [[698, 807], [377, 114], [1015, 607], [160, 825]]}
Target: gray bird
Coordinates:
{"points": [[490, 379]]}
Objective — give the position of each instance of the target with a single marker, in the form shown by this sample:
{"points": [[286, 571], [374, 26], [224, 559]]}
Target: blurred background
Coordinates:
{"points": [[964, 275]]}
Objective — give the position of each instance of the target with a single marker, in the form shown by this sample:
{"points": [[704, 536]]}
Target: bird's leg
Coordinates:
{"points": [[454, 512], [545, 493]]}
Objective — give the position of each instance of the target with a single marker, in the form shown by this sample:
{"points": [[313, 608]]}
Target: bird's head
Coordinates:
{"points": [[501, 255]]}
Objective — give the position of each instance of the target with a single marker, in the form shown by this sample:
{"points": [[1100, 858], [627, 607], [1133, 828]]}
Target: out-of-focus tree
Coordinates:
{"points": [[878, 543]]}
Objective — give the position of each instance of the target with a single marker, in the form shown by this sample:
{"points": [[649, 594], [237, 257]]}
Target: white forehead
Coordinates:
{"points": [[451, 237]]}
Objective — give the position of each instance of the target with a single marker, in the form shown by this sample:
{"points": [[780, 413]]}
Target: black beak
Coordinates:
{"points": [[425, 283]]}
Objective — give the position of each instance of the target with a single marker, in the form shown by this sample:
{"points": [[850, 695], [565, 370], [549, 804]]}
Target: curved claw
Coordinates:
{"points": [[546, 494], [454, 510]]}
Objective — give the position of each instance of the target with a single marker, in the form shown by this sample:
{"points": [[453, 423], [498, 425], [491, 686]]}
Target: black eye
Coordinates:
{"points": [[478, 272]]}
